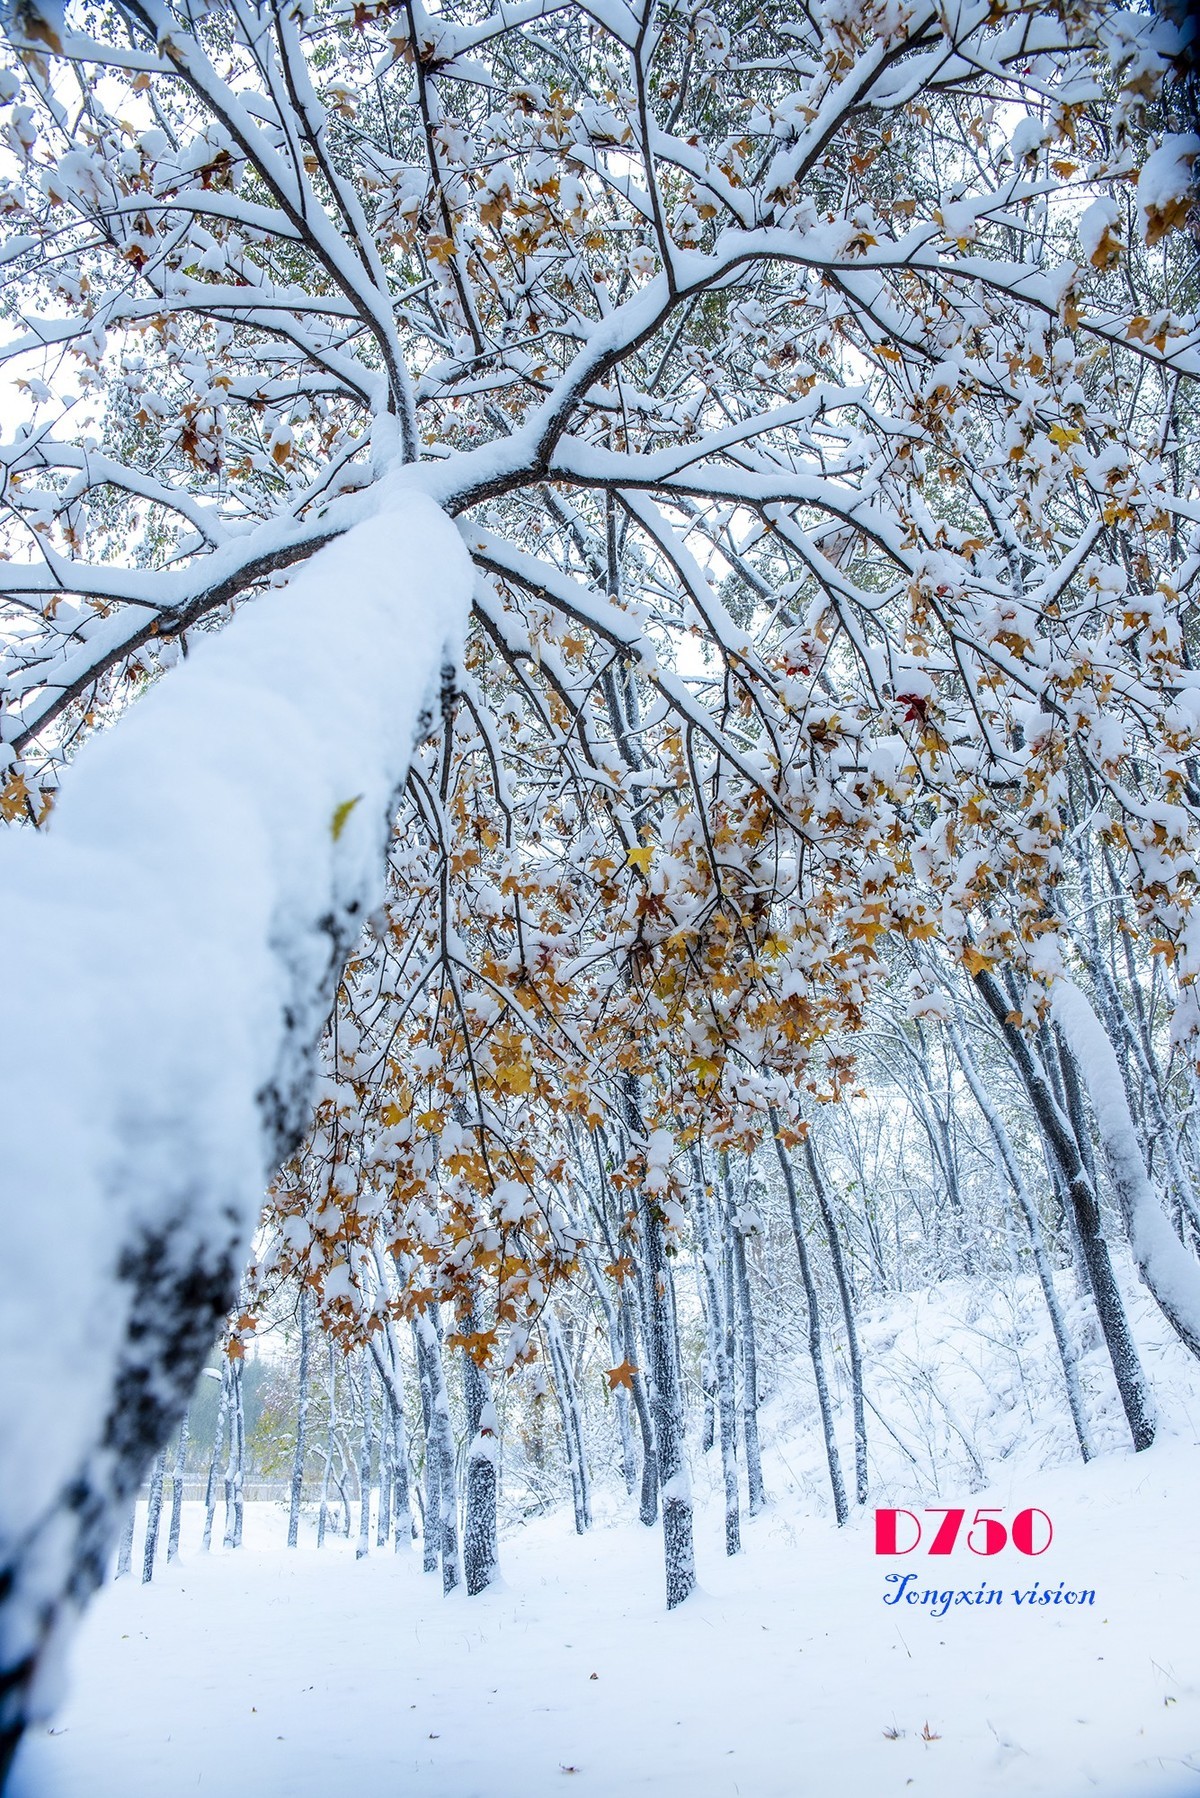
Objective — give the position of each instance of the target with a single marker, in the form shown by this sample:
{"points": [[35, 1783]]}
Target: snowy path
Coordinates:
{"points": [[298, 1675]]}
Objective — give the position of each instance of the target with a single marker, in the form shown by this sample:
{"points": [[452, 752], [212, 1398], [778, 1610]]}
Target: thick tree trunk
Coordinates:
{"points": [[217, 789]]}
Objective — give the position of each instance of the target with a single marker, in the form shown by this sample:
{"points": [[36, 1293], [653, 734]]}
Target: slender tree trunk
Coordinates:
{"points": [[383, 1520], [440, 1438], [1168, 1271], [1056, 1127], [210, 1490], [815, 1349], [235, 1466], [365, 1453], [387, 1363], [1041, 1261], [431, 1499], [301, 1454], [675, 1480], [741, 1279], [719, 1339], [648, 1495], [568, 1406], [327, 1469], [125, 1547], [480, 1551], [846, 1296], [153, 1515], [177, 1479], [621, 1394]]}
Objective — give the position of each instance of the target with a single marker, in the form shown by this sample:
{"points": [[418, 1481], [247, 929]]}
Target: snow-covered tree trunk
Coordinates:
{"points": [[387, 1364], [1012, 1169], [648, 1490], [429, 1495], [745, 1314], [366, 1449], [845, 1294], [153, 1515], [675, 1483], [1068, 1151], [719, 1348], [815, 1347], [441, 1514], [568, 1406], [480, 1550], [125, 1547], [383, 1520], [330, 1437], [232, 1448], [297, 1489], [222, 1423], [235, 1466], [236, 819], [1168, 1270], [178, 1474], [616, 1350]]}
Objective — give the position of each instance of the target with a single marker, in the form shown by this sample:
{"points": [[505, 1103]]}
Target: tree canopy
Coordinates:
{"points": [[814, 398]]}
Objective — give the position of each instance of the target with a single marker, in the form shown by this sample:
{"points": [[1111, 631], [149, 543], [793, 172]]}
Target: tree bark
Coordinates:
{"points": [[177, 1481], [298, 1459], [675, 1480], [745, 1306], [1056, 1127], [815, 1349], [719, 1338], [481, 1555], [153, 1515]]}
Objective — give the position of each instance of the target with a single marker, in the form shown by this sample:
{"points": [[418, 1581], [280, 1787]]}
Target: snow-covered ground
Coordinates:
{"points": [[306, 1675]]}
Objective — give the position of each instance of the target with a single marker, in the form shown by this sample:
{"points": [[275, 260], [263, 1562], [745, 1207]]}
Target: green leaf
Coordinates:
{"points": [[337, 823]]}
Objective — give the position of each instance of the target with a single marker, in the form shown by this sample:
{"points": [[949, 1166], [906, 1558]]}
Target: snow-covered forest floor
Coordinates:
{"points": [[293, 1675]]}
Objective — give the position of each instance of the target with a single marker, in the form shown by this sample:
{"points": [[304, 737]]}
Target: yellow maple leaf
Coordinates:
{"points": [[515, 1077], [641, 858], [13, 797]]}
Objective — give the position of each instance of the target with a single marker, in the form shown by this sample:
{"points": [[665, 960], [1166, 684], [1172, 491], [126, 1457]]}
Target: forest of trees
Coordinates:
{"points": [[601, 702]]}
